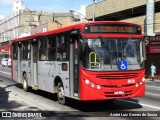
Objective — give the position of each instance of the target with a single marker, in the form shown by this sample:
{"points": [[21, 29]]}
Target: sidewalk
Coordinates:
{"points": [[150, 80]]}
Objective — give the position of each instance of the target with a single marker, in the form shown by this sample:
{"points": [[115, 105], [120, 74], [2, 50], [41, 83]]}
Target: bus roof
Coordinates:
{"points": [[69, 28]]}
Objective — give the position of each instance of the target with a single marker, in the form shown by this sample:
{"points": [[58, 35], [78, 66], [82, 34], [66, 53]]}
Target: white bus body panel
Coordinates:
{"points": [[25, 67], [15, 71], [48, 71]]}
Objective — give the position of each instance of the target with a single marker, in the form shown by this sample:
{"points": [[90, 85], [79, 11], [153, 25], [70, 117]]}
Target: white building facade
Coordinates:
{"points": [[9, 25]]}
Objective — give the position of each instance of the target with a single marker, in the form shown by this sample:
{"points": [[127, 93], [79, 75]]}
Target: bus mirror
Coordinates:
{"points": [[82, 45], [144, 50], [19, 44], [34, 40], [74, 35]]}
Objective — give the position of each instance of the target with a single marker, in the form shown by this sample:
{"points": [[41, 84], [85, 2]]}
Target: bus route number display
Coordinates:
{"points": [[112, 29]]}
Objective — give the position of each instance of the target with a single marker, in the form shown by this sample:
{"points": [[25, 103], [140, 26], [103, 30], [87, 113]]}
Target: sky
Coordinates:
{"points": [[44, 5]]}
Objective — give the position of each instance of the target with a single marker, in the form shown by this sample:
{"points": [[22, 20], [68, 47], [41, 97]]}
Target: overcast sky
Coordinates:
{"points": [[44, 5]]}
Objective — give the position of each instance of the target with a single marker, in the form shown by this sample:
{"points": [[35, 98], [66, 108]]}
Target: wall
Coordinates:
{"points": [[112, 6], [52, 25]]}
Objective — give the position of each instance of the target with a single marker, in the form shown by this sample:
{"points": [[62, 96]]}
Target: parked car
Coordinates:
{"points": [[9, 62], [4, 62]]}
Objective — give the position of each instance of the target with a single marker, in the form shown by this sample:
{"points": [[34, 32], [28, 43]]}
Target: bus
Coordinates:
{"points": [[90, 61]]}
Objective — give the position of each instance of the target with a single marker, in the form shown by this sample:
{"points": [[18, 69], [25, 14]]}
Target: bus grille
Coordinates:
{"points": [[117, 76], [115, 86]]}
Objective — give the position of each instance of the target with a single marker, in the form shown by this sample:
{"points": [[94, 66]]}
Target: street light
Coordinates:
{"points": [[78, 13]]}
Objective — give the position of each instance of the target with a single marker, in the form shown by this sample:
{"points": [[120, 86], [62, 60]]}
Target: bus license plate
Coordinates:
{"points": [[119, 93]]}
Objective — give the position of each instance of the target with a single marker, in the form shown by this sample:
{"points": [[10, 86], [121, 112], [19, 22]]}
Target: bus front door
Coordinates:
{"points": [[74, 69], [18, 64], [34, 57]]}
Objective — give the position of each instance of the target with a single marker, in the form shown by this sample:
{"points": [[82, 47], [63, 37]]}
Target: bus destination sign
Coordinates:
{"points": [[112, 29]]}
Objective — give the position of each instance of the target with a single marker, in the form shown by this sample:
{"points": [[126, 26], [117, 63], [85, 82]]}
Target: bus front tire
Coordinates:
{"points": [[60, 94], [25, 83]]}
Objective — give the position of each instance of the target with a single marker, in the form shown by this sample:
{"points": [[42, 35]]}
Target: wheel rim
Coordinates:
{"points": [[60, 93], [24, 84]]}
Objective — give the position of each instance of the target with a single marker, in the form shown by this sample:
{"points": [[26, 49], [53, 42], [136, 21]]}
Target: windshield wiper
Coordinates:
{"points": [[128, 42], [117, 51], [106, 47], [125, 47]]}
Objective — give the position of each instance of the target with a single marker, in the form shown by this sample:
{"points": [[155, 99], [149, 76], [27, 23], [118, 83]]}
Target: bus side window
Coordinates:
{"points": [[26, 50], [42, 49], [15, 51], [51, 48], [62, 48]]}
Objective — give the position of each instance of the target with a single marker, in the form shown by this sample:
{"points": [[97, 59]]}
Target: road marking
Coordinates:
{"points": [[150, 106], [5, 72], [152, 86], [140, 104], [152, 94]]}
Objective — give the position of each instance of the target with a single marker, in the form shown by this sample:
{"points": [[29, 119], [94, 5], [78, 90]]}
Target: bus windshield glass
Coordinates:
{"points": [[109, 54]]}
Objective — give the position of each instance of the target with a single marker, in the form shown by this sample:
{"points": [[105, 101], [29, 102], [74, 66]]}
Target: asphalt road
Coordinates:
{"points": [[13, 98]]}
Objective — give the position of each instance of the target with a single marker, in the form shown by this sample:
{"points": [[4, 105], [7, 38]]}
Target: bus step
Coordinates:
{"points": [[34, 87]]}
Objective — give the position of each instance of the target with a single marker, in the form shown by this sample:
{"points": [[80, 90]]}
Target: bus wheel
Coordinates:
{"points": [[60, 94], [25, 83]]}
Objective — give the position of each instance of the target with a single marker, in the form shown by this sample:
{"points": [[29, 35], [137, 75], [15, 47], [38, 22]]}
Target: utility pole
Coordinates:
{"points": [[93, 19]]}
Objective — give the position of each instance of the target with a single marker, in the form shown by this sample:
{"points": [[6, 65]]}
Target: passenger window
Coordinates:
{"points": [[62, 48], [26, 50], [15, 51], [51, 48], [42, 49]]}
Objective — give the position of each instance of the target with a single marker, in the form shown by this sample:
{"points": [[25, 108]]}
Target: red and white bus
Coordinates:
{"points": [[100, 60]]}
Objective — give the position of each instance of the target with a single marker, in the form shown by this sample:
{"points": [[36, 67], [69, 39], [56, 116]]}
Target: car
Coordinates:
{"points": [[4, 62], [9, 62]]}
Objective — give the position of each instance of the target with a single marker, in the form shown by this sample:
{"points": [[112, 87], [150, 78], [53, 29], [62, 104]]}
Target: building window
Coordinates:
{"points": [[44, 29]]}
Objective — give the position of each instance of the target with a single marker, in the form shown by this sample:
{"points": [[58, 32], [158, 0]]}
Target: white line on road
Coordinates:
{"points": [[150, 106], [152, 86], [5, 72], [152, 94], [141, 104]]}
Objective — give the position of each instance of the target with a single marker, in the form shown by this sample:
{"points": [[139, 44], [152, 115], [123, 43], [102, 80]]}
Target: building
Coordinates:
{"points": [[18, 5], [52, 25], [136, 11], [23, 21]]}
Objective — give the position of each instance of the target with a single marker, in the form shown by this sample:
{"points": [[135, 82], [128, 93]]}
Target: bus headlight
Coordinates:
{"points": [[92, 85], [140, 83], [136, 84], [98, 87], [143, 79], [87, 82]]}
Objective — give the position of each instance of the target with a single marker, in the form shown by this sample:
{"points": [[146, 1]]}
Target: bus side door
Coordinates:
{"points": [[16, 62], [34, 57], [74, 67]]}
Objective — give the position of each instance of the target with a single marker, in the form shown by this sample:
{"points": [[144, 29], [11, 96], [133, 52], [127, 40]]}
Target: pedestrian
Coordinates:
{"points": [[153, 71]]}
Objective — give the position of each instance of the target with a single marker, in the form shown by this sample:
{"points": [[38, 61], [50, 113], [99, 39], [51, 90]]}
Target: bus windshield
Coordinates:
{"points": [[106, 54]]}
